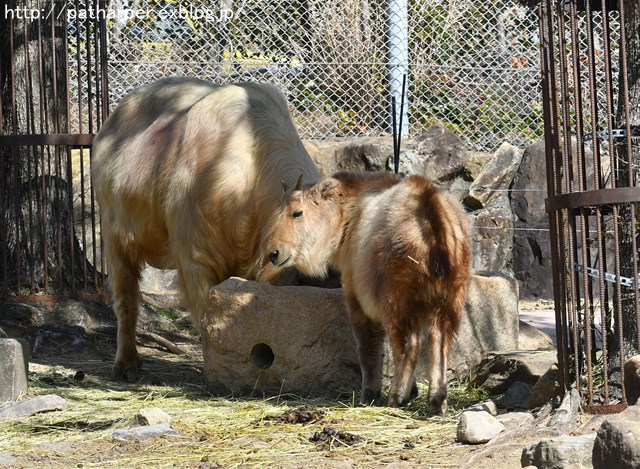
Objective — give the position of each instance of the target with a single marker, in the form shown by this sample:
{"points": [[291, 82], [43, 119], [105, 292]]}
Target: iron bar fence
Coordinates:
{"points": [[593, 196]]}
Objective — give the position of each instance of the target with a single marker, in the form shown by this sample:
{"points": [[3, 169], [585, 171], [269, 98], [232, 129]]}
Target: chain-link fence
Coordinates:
{"points": [[472, 66]]}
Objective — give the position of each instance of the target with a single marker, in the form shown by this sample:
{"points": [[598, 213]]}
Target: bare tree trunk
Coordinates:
{"points": [[34, 180]]}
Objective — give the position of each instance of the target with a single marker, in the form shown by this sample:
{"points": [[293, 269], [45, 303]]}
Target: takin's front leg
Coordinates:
{"points": [[124, 277], [369, 337]]}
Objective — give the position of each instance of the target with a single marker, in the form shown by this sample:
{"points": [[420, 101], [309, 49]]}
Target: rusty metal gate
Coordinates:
{"points": [[593, 195], [49, 245]]}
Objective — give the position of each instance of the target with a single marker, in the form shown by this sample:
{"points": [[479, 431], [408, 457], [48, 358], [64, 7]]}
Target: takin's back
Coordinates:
{"points": [[187, 170], [409, 238]]}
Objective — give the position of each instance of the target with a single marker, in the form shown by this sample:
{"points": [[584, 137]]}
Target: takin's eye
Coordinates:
{"points": [[297, 214]]}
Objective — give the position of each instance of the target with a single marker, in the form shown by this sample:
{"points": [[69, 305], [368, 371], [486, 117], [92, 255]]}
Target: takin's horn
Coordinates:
{"points": [[299, 183], [285, 188]]}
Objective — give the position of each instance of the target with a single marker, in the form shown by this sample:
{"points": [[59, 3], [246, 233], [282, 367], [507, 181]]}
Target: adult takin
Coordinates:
{"points": [[188, 175], [403, 250]]}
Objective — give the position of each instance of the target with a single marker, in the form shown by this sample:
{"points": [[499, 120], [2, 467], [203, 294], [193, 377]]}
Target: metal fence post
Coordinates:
{"points": [[398, 24]]}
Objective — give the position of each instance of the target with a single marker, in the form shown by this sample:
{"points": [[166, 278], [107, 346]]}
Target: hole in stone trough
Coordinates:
{"points": [[262, 356]]}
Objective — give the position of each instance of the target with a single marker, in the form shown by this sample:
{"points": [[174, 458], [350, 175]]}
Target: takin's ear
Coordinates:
{"points": [[329, 188]]}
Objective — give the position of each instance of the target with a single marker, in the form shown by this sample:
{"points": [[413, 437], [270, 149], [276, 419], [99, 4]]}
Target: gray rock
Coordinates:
{"points": [[498, 371], [532, 338], [546, 388], [476, 161], [486, 406], [495, 178], [14, 368], [478, 427], [490, 322], [617, 444], [517, 396], [531, 245], [6, 459], [564, 452], [29, 407], [22, 313], [492, 239], [512, 420], [152, 416], [144, 433], [565, 415], [363, 156], [73, 314], [442, 153], [632, 379], [265, 339]]}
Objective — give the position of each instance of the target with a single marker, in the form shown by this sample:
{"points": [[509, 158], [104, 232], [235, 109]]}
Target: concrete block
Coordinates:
{"points": [[258, 339], [14, 368]]}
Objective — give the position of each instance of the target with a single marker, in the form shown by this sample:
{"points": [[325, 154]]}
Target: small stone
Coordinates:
{"points": [[29, 407], [152, 416], [513, 420], [486, 406], [566, 451], [143, 433], [478, 427]]}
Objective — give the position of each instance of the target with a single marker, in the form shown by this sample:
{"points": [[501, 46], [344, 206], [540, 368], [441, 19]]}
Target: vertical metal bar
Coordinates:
{"points": [[546, 27]]}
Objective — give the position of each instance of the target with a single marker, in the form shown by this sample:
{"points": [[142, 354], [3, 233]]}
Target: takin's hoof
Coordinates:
{"points": [[370, 397], [128, 374], [414, 390], [437, 404]]}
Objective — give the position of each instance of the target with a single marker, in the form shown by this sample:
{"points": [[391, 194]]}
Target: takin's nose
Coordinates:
{"points": [[273, 256]]}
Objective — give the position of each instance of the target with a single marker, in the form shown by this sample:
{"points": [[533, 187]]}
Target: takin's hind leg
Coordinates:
{"points": [[436, 369], [405, 346], [369, 337], [124, 278]]}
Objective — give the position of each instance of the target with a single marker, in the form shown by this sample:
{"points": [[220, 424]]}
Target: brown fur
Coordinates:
{"points": [[403, 249], [188, 176]]}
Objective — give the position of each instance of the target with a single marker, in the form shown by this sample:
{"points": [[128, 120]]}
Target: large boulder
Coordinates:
{"points": [[441, 153], [490, 321], [531, 242], [492, 239], [495, 178], [617, 443]]}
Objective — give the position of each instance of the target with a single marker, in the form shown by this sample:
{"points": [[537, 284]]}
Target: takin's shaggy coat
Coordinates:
{"points": [[188, 175], [403, 250]]}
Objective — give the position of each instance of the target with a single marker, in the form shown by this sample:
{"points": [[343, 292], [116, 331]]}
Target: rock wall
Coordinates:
{"points": [[503, 192]]}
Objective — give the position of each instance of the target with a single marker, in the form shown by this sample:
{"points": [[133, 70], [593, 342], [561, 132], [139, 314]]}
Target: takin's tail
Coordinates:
{"points": [[446, 230]]}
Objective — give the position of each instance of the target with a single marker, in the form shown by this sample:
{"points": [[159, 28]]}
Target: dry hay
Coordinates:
{"points": [[280, 431]]}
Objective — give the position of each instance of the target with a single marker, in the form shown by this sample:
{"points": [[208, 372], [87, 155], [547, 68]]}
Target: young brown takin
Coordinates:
{"points": [[188, 176], [403, 250]]}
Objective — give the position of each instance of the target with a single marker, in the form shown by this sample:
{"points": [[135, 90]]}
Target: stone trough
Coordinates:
{"points": [[261, 339]]}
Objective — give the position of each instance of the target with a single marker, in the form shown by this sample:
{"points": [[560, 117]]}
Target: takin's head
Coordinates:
{"points": [[307, 231]]}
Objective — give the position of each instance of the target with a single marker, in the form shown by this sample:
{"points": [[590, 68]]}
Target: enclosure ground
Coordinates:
{"points": [[215, 431]]}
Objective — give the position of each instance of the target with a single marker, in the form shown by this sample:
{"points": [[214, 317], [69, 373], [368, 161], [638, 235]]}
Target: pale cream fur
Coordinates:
{"points": [[188, 176]]}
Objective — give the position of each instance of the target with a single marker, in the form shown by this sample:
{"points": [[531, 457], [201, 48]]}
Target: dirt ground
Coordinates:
{"points": [[214, 432]]}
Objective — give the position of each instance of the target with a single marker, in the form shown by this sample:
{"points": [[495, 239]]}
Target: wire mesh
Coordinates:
{"points": [[473, 66]]}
